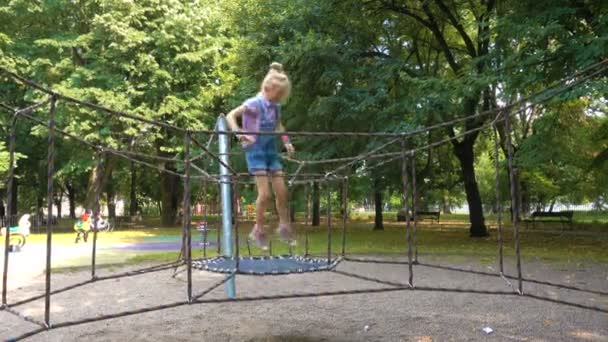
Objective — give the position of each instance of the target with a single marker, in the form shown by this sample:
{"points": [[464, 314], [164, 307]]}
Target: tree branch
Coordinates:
{"points": [[456, 23], [434, 27]]}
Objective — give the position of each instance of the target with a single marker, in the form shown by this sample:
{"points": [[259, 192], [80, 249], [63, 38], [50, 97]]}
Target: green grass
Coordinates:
{"points": [[451, 241], [588, 242]]}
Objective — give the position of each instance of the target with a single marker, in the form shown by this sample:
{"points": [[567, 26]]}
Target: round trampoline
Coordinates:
{"points": [[262, 265]]}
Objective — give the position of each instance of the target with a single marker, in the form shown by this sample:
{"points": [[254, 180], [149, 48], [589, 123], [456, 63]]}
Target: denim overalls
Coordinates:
{"points": [[262, 155]]}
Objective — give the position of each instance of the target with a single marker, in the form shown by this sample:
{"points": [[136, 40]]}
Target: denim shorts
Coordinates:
{"points": [[262, 155]]}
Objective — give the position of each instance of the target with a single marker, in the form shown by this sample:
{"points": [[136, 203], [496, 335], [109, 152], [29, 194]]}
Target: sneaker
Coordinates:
{"points": [[259, 238], [286, 234]]}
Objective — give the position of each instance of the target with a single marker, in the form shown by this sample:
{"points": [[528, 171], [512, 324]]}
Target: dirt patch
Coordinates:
{"points": [[389, 316]]}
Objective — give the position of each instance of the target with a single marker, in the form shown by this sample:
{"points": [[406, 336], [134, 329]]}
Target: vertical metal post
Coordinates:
{"points": [[344, 212], [290, 207], [225, 180], [49, 220], [187, 215], [306, 228], [514, 199], [9, 206], [307, 195], [415, 207], [236, 222], [218, 230], [406, 201], [328, 221], [205, 218], [498, 202], [96, 213]]}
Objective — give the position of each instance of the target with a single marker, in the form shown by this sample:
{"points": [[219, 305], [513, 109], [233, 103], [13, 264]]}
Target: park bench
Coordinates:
{"points": [[420, 215], [564, 217]]}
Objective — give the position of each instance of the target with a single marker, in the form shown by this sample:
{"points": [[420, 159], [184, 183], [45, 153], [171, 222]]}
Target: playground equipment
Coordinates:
{"points": [[83, 226], [18, 233], [229, 180]]}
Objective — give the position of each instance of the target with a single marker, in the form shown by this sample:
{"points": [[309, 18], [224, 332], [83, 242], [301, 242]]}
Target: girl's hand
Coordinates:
{"points": [[290, 149], [246, 139]]}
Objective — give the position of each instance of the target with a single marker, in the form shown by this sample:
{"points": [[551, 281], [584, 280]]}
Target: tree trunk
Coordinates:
{"points": [[71, 200], [58, 202], [292, 211], [292, 205], [378, 219], [524, 198], [39, 209], [466, 155], [95, 187], [447, 206], [170, 193], [110, 198], [2, 210], [12, 211], [133, 194], [316, 204]]}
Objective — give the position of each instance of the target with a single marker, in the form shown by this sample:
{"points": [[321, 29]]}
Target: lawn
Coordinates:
{"points": [[450, 239]]}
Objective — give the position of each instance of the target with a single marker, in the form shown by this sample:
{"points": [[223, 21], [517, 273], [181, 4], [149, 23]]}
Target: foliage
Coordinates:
{"points": [[373, 66]]}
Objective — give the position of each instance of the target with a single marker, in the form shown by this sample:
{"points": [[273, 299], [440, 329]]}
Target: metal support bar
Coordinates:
{"points": [[414, 207], [406, 201], [205, 217], [327, 184], [514, 199], [223, 141], [498, 202], [96, 213], [186, 217], [9, 206], [236, 223], [344, 212], [49, 220]]}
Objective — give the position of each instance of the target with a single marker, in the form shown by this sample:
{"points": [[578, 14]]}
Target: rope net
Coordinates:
{"points": [[196, 160]]}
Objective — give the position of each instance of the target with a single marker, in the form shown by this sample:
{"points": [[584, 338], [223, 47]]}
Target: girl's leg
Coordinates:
{"points": [[263, 200], [280, 193]]}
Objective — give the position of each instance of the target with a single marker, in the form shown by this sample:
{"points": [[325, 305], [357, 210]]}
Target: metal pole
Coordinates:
{"points": [[306, 228], [306, 213], [49, 199], [289, 208], [498, 202], [327, 184], [344, 212], [236, 222], [218, 230], [9, 206], [186, 217], [415, 207], [514, 200], [225, 180], [96, 213], [205, 218], [406, 201]]}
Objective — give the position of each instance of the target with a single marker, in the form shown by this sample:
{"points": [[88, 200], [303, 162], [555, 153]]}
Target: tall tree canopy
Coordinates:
{"points": [[376, 65]]}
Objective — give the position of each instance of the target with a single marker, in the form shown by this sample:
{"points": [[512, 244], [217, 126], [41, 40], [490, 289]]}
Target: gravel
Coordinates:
{"points": [[388, 316]]}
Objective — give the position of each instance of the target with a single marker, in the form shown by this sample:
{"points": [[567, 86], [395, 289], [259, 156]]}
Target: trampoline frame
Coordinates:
{"points": [[229, 178], [204, 264]]}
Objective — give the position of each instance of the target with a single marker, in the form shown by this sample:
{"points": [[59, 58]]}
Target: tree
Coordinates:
{"points": [[378, 204], [159, 59]]}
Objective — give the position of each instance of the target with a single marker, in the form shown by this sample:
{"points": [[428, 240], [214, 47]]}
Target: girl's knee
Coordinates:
{"points": [[281, 195], [263, 197]]}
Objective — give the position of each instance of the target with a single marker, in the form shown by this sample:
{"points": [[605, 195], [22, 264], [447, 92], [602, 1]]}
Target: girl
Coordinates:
{"points": [[262, 113]]}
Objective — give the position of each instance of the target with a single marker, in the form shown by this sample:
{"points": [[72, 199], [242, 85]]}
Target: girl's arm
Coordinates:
{"points": [[232, 117], [288, 146]]}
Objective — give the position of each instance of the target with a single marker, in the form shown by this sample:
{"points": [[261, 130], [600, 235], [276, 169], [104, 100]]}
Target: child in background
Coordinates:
{"points": [[262, 113]]}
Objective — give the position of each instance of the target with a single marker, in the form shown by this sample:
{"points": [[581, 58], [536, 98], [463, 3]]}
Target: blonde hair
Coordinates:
{"points": [[277, 78]]}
